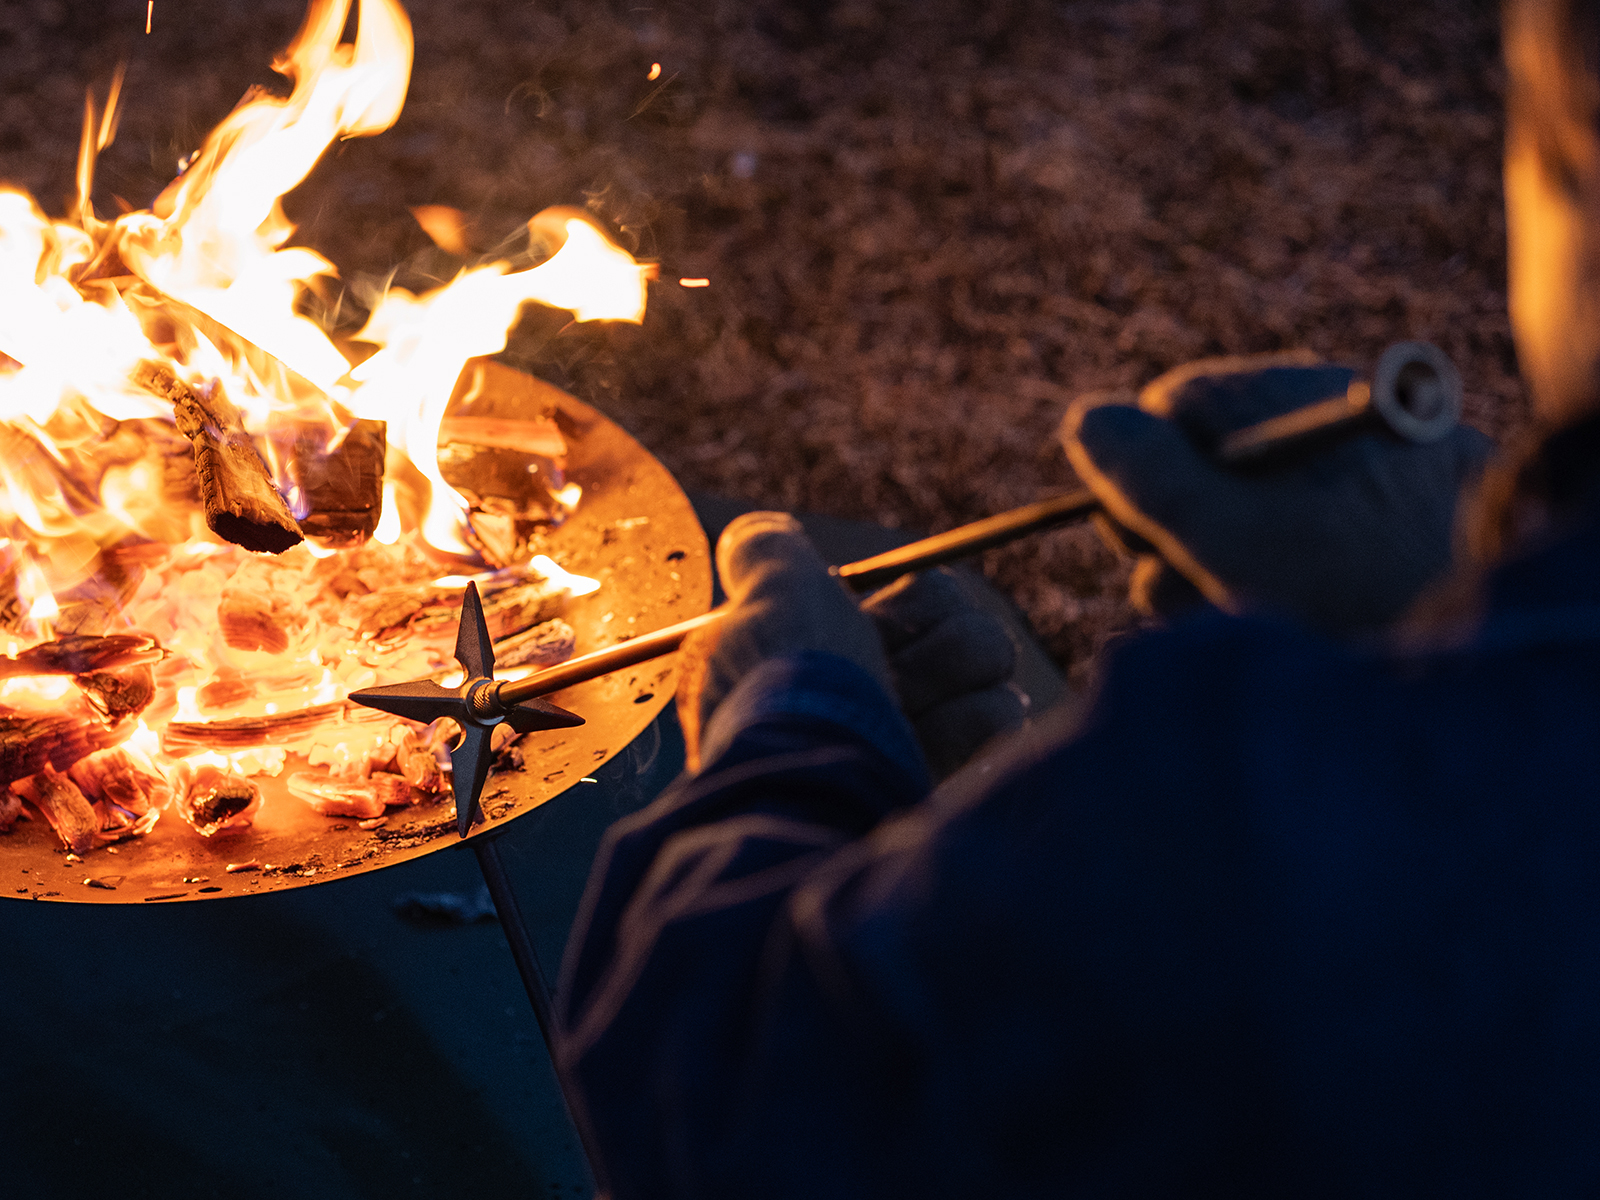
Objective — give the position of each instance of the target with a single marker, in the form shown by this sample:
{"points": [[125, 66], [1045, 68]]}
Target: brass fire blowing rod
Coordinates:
{"points": [[1415, 392]]}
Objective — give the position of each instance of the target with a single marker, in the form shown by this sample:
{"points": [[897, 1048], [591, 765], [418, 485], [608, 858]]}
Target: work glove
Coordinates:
{"points": [[948, 662], [783, 601], [1343, 536], [952, 664]]}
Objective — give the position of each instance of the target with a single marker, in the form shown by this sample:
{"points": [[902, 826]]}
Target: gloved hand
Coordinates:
{"points": [[783, 602], [952, 665], [1344, 536]]}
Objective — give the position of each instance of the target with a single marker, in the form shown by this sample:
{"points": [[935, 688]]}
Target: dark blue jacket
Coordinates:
{"points": [[1273, 917]]}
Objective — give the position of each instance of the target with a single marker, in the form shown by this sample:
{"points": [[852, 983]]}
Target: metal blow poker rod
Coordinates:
{"points": [[1415, 392]]}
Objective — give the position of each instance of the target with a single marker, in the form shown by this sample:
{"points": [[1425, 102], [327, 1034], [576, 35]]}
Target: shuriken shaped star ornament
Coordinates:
{"points": [[475, 705]]}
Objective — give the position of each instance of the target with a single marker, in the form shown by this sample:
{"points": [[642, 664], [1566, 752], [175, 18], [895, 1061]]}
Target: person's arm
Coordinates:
{"points": [[792, 974]]}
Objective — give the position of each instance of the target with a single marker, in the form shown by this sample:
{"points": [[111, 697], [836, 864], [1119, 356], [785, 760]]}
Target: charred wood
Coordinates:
{"points": [[337, 476], [512, 497], [241, 504], [118, 694], [509, 468]]}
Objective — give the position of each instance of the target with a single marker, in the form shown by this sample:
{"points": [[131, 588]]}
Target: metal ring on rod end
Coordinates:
{"points": [[483, 702], [1416, 389]]}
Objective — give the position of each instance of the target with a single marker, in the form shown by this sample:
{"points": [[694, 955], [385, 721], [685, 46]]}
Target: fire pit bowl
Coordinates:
{"points": [[634, 531]]}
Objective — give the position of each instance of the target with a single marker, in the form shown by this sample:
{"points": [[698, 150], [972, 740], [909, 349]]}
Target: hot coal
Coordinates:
{"points": [[10, 810], [544, 645], [115, 777], [66, 808], [29, 744], [365, 798], [118, 694], [414, 762], [212, 799]]}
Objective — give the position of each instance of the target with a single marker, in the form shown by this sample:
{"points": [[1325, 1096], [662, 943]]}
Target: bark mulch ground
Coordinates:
{"points": [[927, 223]]}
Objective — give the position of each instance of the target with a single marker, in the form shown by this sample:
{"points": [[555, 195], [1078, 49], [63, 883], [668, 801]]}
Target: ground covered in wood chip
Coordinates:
{"points": [[926, 223]]}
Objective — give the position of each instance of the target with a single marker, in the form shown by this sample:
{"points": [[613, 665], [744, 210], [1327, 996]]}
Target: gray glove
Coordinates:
{"points": [[1344, 536], [947, 661], [783, 602], [952, 665]]}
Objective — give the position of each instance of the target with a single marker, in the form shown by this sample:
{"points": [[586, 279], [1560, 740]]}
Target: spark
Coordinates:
{"points": [[655, 68], [694, 283], [149, 11]]}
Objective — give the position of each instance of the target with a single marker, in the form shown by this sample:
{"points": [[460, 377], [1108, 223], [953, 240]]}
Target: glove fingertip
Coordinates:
{"points": [[753, 538], [1116, 439], [1067, 432]]}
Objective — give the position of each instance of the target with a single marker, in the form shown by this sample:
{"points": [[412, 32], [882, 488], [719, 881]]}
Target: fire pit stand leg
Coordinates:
{"points": [[505, 904]]}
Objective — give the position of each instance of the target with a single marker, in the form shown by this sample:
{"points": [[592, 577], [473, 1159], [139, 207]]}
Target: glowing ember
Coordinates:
{"points": [[132, 350]]}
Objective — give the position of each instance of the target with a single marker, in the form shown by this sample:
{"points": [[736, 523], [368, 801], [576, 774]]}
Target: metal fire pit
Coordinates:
{"points": [[634, 531]]}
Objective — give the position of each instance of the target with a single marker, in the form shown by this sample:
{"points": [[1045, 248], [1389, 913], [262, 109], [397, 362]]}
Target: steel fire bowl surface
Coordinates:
{"points": [[634, 531]]}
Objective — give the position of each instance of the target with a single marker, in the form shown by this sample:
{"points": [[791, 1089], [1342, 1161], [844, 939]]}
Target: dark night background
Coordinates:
{"points": [[927, 225]]}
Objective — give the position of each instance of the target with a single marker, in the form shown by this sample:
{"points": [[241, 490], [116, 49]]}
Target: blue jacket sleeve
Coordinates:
{"points": [[662, 979]]}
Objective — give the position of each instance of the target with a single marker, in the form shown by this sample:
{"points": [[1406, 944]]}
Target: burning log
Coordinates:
{"points": [[79, 654], [513, 485], [66, 808], [109, 670], [337, 475], [280, 729], [399, 612], [500, 445], [32, 744], [211, 799], [364, 798], [241, 503]]}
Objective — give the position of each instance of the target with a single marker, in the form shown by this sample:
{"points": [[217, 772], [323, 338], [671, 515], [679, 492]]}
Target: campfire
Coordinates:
{"points": [[219, 520]]}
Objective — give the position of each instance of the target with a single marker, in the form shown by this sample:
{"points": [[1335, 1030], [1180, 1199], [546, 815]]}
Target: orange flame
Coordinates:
{"points": [[205, 280]]}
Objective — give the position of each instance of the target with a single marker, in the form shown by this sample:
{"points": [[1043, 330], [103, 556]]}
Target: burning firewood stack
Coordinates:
{"points": [[219, 522]]}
